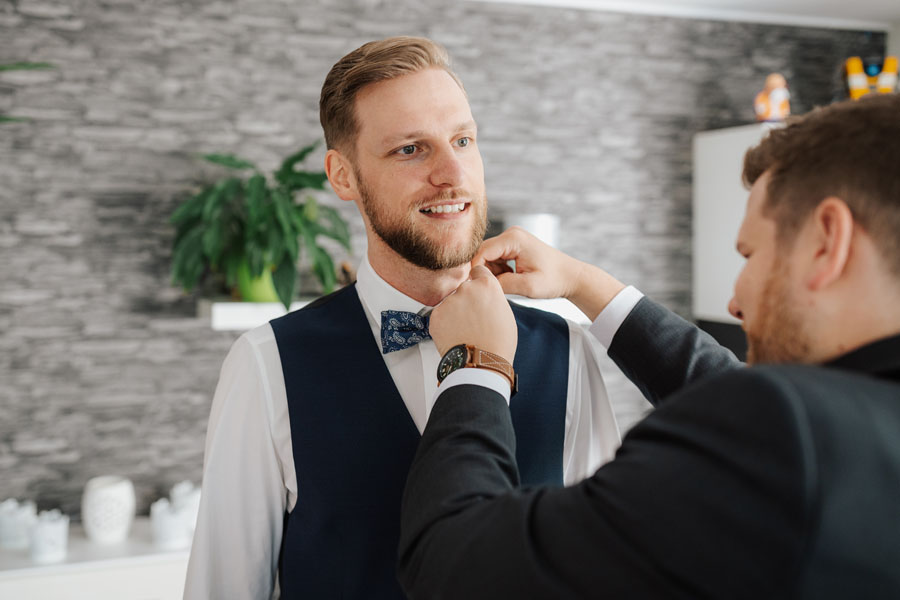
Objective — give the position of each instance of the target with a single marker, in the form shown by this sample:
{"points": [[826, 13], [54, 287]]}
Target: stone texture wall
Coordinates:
{"points": [[103, 366]]}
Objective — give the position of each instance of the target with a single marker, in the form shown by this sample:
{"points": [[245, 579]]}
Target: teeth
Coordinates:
{"points": [[445, 208]]}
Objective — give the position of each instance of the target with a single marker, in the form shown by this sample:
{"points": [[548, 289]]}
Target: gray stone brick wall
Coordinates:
{"points": [[103, 366]]}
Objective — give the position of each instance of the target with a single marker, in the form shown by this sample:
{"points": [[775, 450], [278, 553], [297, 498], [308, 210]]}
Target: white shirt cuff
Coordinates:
{"points": [[611, 318], [483, 377]]}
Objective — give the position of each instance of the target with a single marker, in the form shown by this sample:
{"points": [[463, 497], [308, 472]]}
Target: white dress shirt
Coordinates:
{"points": [[249, 481]]}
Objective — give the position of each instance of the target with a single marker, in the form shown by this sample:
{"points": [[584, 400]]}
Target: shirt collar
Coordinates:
{"points": [[377, 294], [880, 358]]}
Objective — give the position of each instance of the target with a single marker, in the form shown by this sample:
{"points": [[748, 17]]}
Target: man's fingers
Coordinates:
{"points": [[480, 272], [514, 283]]}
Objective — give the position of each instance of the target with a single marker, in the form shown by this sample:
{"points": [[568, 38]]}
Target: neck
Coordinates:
{"points": [[862, 315], [421, 284]]}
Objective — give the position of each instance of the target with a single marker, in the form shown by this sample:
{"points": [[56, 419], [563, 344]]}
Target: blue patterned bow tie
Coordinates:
{"points": [[401, 330]]}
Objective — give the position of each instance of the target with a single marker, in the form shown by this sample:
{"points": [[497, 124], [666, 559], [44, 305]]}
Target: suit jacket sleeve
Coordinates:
{"points": [[661, 353], [706, 498]]}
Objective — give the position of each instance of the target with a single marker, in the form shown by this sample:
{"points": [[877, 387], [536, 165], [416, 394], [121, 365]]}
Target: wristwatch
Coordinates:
{"points": [[465, 355]]}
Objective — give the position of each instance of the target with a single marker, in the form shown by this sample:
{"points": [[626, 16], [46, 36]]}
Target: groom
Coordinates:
{"points": [[317, 415]]}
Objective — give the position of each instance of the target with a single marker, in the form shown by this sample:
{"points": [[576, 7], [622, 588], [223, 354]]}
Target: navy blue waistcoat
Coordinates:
{"points": [[354, 440]]}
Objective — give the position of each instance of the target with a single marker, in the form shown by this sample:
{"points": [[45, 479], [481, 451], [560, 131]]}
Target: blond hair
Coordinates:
{"points": [[370, 63]]}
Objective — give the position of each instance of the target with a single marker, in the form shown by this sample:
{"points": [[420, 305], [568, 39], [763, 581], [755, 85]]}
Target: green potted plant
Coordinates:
{"points": [[251, 230]]}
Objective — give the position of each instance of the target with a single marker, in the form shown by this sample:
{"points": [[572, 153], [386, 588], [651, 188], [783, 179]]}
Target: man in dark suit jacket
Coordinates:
{"points": [[777, 480]]}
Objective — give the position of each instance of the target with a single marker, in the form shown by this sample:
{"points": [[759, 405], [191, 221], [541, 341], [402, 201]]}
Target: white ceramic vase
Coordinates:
{"points": [[107, 509]]}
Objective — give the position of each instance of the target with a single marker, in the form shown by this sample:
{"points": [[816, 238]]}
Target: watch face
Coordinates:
{"points": [[454, 359]]}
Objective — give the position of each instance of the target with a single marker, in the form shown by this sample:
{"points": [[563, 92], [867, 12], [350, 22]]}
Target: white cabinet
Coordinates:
{"points": [[720, 200], [132, 570]]}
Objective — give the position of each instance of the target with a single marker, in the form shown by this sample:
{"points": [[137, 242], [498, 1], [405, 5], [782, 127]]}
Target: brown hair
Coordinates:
{"points": [[371, 63], [850, 150]]}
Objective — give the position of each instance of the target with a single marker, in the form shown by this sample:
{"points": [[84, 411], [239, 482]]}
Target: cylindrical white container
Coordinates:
{"points": [[16, 521], [170, 529], [544, 226], [107, 509], [50, 537], [186, 500]]}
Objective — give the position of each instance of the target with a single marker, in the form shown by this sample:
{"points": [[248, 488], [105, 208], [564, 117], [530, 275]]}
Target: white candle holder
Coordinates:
{"points": [[50, 537], [169, 529], [173, 521], [185, 497], [107, 509], [16, 521]]}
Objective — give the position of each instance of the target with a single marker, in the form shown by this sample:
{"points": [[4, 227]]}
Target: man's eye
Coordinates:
{"points": [[463, 142], [411, 149]]}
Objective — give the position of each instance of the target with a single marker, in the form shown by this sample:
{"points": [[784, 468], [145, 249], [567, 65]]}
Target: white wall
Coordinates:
{"points": [[893, 40]]}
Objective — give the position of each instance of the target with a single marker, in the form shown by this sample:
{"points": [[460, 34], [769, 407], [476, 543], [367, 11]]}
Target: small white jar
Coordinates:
{"points": [[50, 537], [16, 521]]}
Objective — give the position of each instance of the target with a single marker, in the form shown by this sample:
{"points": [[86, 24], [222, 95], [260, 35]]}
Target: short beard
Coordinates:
{"points": [[779, 336], [402, 237]]}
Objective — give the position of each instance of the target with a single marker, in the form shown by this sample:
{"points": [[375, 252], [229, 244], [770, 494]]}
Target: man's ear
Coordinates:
{"points": [[340, 175], [832, 234]]}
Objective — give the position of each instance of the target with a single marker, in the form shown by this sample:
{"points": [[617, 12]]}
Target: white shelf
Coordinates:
{"points": [[135, 568], [241, 316]]}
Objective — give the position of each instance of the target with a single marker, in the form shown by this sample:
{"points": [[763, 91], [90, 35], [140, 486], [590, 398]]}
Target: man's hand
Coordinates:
{"points": [[477, 313], [544, 272]]}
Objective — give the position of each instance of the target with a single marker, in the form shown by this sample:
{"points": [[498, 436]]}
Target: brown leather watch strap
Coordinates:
{"points": [[482, 359]]}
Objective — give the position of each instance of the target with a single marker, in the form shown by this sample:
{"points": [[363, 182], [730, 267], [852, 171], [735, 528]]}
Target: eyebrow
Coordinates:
{"points": [[413, 135]]}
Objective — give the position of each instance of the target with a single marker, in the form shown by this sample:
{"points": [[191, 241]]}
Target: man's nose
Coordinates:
{"points": [[734, 310], [446, 170]]}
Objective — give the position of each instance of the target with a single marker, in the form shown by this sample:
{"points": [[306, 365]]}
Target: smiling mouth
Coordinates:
{"points": [[445, 209]]}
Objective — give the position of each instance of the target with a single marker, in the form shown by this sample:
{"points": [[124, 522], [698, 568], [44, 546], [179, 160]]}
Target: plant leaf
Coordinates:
{"points": [[256, 258], [255, 197], [187, 259], [323, 267], [229, 160], [338, 229], [213, 243], [284, 277], [231, 262], [299, 180], [300, 155], [292, 179], [191, 208]]}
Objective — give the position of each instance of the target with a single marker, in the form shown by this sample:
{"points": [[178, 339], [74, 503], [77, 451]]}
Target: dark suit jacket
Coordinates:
{"points": [[759, 483]]}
